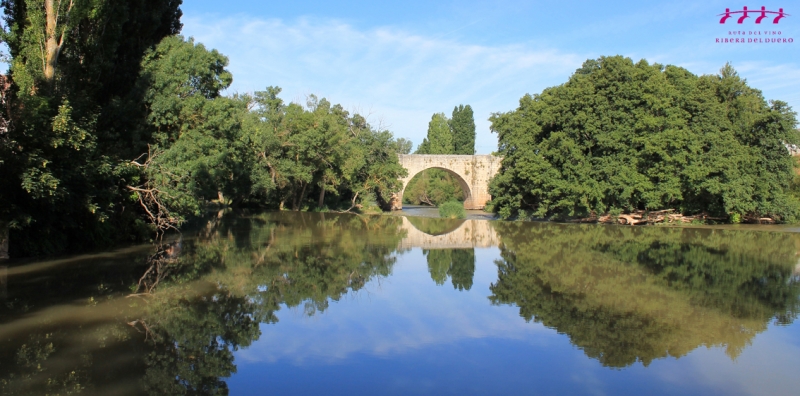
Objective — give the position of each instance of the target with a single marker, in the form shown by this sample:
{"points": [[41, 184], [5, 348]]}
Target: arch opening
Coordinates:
{"points": [[465, 187]]}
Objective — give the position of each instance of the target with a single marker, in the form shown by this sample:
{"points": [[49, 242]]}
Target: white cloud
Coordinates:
{"points": [[767, 367], [400, 77]]}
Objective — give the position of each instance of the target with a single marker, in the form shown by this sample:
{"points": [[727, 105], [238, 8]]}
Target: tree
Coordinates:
{"points": [[620, 136], [320, 150], [463, 128], [195, 155], [74, 119], [403, 146], [439, 139]]}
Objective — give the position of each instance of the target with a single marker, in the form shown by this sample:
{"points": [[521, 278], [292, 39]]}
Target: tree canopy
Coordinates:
{"points": [[463, 126], [623, 136], [115, 126]]}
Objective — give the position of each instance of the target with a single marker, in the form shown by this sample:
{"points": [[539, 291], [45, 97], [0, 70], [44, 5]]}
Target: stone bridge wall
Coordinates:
{"points": [[473, 172], [471, 234]]}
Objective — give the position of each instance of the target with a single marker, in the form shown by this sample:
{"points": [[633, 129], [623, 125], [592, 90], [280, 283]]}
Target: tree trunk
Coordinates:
{"points": [[321, 197], [3, 283], [3, 240], [54, 41], [303, 195], [298, 200]]}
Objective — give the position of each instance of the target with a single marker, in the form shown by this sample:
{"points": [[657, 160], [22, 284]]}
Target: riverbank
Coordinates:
{"points": [[433, 212]]}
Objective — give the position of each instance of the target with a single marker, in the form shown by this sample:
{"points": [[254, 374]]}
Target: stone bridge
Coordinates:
{"points": [[472, 172], [467, 234]]}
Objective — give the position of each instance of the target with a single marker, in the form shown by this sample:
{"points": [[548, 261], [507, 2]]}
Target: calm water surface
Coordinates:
{"points": [[301, 303]]}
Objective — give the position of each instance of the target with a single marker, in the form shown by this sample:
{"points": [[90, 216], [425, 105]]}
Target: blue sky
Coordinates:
{"points": [[402, 62], [399, 63]]}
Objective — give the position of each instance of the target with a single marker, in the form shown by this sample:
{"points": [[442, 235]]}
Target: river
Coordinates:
{"points": [[322, 303]]}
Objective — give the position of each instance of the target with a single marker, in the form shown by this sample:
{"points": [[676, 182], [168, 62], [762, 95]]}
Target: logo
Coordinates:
{"points": [[754, 35], [746, 14]]}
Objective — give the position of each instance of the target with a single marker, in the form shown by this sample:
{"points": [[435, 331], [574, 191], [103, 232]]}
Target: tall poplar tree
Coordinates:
{"points": [[440, 139], [462, 126]]}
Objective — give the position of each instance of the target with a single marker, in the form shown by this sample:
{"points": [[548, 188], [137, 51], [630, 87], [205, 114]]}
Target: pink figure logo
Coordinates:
{"points": [[745, 14], [763, 14], [780, 15]]}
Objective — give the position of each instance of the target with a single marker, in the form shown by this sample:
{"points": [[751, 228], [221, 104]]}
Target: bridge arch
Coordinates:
{"points": [[473, 172], [465, 187]]}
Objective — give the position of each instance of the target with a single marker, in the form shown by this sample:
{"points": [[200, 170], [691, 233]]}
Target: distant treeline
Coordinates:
{"points": [[619, 137]]}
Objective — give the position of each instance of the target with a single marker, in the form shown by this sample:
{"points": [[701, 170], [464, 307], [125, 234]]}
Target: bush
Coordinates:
{"points": [[452, 210]]}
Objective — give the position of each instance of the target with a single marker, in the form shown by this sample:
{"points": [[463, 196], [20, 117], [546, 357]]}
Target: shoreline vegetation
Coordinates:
{"points": [[624, 139], [119, 132]]}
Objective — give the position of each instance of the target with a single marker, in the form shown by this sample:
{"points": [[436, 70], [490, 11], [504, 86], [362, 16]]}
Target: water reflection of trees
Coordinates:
{"points": [[624, 295], [245, 270], [207, 301], [621, 294], [456, 264]]}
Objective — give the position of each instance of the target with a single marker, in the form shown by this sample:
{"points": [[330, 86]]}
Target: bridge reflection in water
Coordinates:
{"points": [[433, 233]]}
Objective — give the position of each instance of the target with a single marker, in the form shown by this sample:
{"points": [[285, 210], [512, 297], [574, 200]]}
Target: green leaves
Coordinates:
{"points": [[319, 151], [627, 136]]}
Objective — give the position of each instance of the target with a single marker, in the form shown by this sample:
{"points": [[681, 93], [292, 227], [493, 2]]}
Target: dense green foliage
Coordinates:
{"points": [[434, 187], [297, 153], [452, 210], [115, 127], [69, 119], [439, 139], [445, 136], [620, 136]]}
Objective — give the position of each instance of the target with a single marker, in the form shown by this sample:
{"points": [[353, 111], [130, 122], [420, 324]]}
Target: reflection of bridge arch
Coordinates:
{"points": [[434, 225], [470, 234], [472, 172]]}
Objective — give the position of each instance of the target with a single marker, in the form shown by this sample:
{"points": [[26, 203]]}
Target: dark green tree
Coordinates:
{"points": [[196, 154], [620, 136], [462, 126], [320, 151], [439, 139], [72, 73]]}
